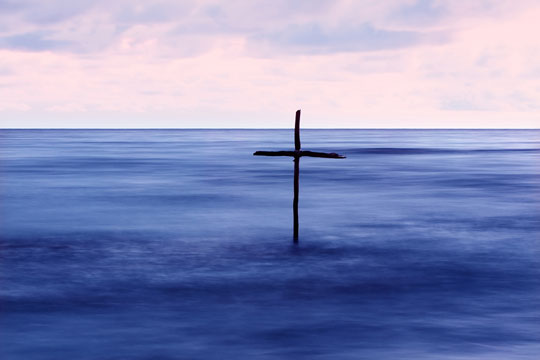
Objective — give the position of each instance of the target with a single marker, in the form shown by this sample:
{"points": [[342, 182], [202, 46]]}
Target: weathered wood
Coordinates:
{"points": [[322, 155], [275, 153], [295, 199], [297, 154], [300, 154], [297, 131]]}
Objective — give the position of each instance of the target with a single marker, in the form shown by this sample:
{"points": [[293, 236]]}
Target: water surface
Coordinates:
{"points": [[177, 244]]}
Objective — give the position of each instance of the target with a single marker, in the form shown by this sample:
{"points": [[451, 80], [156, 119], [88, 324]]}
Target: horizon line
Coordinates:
{"points": [[269, 128]]}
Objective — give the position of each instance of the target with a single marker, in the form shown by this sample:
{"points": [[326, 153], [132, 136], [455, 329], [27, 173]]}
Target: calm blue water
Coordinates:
{"points": [[177, 244]]}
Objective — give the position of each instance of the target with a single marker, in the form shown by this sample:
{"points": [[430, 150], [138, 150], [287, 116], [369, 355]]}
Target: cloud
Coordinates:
{"points": [[45, 12], [145, 12], [420, 13], [302, 27], [361, 63], [314, 39], [34, 41]]}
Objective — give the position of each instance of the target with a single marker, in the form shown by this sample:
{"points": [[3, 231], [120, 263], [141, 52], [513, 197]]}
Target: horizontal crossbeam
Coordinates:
{"points": [[275, 153], [300, 154], [321, 154]]}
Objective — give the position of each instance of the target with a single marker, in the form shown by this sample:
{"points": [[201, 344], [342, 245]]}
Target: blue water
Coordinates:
{"points": [[177, 244]]}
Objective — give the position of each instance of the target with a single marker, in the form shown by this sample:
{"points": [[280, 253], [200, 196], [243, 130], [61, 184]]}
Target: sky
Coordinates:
{"points": [[253, 63]]}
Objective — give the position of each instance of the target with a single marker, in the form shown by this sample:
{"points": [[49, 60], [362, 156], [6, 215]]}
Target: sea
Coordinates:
{"points": [[178, 244]]}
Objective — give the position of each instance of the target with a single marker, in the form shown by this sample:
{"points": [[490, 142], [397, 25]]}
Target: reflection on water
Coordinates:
{"points": [[177, 244]]}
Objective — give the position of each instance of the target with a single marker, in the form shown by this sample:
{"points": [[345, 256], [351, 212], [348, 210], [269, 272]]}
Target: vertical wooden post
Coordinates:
{"points": [[296, 174], [295, 200], [297, 131]]}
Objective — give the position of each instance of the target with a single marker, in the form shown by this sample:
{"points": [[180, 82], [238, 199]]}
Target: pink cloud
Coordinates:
{"points": [[220, 66]]}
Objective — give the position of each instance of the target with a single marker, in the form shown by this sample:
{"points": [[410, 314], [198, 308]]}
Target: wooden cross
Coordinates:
{"points": [[297, 154]]}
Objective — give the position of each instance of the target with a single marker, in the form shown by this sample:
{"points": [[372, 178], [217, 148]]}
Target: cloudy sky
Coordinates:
{"points": [[252, 63]]}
